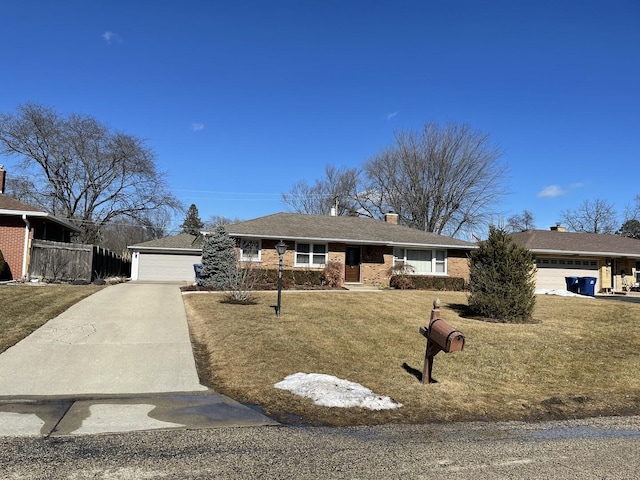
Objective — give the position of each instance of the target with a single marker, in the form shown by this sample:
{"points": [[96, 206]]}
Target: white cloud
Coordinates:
{"points": [[552, 191], [197, 127], [111, 37], [391, 115]]}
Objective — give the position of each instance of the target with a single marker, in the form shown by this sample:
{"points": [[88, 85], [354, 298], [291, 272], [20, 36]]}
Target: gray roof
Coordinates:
{"points": [[548, 241], [325, 228], [11, 206], [182, 241]]}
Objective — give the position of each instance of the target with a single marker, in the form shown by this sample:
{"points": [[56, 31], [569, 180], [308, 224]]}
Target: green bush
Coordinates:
{"points": [[502, 279], [267, 279], [423, 282]]}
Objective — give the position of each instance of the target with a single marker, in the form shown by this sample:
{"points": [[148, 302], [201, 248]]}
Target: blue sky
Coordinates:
{"points": [[240, 99]]}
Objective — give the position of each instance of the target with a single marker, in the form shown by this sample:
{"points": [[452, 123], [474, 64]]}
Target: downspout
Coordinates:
{"points": [[25, 253]]}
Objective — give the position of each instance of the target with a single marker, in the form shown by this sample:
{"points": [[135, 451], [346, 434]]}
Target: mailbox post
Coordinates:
{"points": [[440, 337]]}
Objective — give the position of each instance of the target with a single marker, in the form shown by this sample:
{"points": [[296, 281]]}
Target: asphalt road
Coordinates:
{"points": [[586, 449]]}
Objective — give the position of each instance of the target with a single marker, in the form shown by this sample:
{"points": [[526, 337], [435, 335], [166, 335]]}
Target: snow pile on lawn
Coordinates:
{"points": [[562, 293], [330, 391]]}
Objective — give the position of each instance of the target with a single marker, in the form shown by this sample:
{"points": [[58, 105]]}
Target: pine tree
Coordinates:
{"points": [[219, 261], [192, 222], [502, 279]]}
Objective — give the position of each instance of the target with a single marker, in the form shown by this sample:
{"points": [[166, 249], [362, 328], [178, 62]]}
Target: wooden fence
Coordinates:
{"points": [[58, 261]]}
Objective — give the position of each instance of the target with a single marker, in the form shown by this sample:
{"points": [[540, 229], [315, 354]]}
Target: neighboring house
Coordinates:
{"points": [[167, 259], [559, 254], [367, 248], [19, 225]]}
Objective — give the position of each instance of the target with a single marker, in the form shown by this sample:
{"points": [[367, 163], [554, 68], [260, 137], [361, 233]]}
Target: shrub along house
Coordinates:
{"points": [[367, 248], [560, 254]]}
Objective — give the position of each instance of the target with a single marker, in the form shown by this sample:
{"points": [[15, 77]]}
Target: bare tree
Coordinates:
{"points": [[219, 220], [443, 180], [521, 222], [119, 233], [593, 216], [632, 212], [77, 168], [337, 189]]}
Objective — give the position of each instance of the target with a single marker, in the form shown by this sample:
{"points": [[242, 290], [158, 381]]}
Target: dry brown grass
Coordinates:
{"points": [[24, 308], [582, 358]]}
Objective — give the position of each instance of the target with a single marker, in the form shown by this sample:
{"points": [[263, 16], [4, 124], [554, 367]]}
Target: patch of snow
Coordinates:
{"points": [[562, 293], [329, 391]]}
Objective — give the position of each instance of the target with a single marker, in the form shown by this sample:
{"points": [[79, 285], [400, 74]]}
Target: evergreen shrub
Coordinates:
{"points": [[502, 279]]}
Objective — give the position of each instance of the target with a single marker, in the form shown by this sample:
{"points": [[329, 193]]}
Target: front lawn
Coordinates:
{"points": [[24, 308], [580, 360]]}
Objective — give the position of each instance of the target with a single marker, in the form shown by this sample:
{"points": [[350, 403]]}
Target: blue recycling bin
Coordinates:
{"points": [[197, 267], [587, 286], [572, 284]]}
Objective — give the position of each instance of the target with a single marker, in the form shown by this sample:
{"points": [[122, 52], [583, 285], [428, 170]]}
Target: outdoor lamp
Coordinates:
{"points": [[281, 248]]}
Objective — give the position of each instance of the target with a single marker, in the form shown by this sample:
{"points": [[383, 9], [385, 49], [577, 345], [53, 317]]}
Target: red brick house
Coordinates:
{"points": [[367, 248], [21, 223]]}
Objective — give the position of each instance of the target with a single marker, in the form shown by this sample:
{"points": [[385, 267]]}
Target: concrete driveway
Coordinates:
{"points": [[114, 358]]}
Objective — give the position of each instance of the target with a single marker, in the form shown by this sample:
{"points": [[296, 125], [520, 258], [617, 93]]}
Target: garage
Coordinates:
{"points": [[166, 267], [168, 259], [553, 271]]}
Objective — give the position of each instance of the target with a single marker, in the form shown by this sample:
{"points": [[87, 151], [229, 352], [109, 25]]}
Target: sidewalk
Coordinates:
{"points": [[116, 358]]}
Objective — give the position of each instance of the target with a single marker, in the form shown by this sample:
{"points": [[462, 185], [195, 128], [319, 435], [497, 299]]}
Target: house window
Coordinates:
{"points": [[423, 261], [311, 255], [250, 250]]}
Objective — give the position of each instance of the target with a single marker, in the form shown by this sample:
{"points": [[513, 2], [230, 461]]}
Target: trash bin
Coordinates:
{"points": [[572, 284], [587, 286], [197, 267]]}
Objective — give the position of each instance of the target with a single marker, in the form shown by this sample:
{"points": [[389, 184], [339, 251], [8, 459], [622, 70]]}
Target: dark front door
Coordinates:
{"points": [[352, 264]]}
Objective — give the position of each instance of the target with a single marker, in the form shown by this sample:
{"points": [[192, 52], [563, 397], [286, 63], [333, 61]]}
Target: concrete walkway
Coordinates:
{"points": [[119, 360]]}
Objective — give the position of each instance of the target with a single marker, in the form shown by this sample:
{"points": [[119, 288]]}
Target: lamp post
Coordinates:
{"points": [[281, 247]]}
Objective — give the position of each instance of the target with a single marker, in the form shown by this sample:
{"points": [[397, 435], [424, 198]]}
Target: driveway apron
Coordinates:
{"points": [[118, 361]]}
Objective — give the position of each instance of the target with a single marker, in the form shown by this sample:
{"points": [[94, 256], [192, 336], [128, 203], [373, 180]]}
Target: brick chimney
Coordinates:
{"points": [[3, 178], [391, 217], [558, 228]]}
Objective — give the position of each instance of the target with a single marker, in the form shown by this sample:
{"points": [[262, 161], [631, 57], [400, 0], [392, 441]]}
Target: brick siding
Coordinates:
{"points": [[12, 244]]}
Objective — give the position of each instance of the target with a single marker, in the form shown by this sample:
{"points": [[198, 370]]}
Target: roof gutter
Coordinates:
{"points": [[26, 213], [352, 241], [571, 253]]}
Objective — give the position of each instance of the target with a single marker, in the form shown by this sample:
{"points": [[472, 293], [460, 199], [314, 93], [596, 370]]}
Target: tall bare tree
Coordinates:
{"points": [[521, 222], [439, 179], [78, 168], [338, 188], [592, 216]]}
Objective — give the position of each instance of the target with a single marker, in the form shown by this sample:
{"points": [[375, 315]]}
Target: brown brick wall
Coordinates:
{"points": [[458, 264], [12, 244], [376, 266], [376, 261]]}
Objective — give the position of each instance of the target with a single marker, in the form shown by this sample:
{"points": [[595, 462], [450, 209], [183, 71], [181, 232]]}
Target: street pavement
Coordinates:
{"points": [[591, 449], [119, 360]]}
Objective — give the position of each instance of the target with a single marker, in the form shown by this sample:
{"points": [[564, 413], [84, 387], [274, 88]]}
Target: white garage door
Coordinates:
{"points": [[552, 272], [167, 267]]}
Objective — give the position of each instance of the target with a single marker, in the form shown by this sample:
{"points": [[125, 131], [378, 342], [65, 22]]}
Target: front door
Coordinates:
{"points": [[352, 265]]}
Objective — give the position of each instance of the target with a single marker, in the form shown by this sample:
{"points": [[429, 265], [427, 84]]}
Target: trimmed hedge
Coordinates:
{"points": [[268, 279], [421, 282]]}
